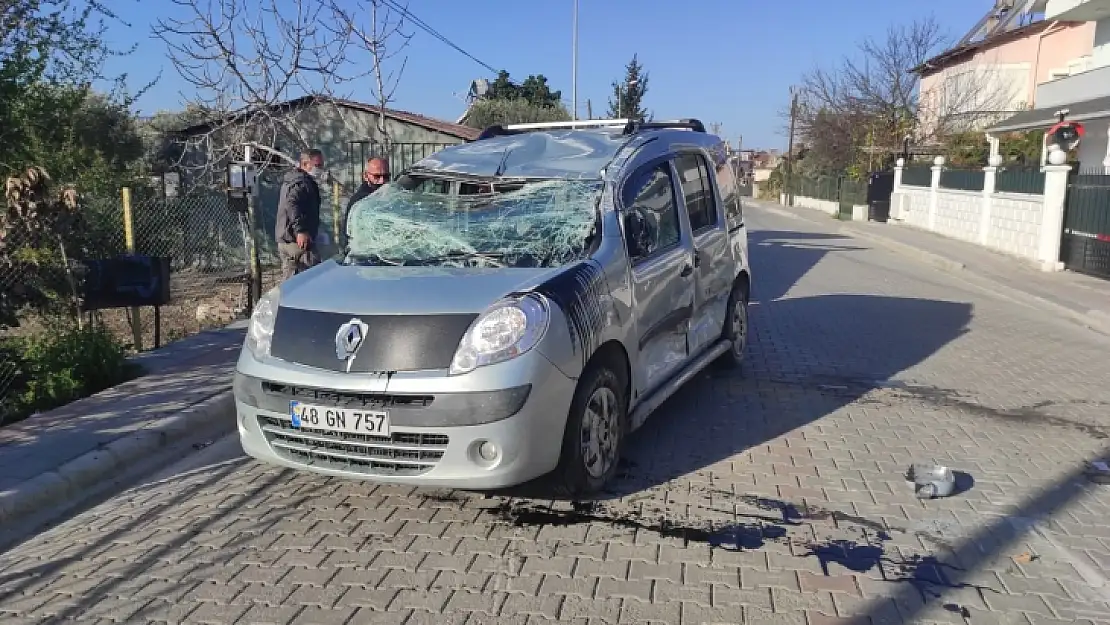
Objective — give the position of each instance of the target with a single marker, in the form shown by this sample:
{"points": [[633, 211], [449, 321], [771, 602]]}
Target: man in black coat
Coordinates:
{"points": [[373, 178], [298, 215]]}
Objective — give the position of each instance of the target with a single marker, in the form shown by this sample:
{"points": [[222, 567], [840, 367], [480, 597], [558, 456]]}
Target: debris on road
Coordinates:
{"points": [[931, 481], [1098, 471]]}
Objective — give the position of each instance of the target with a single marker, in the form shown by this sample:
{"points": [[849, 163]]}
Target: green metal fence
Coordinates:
{"points": [[1019, 180], [842, 189], [1085, 245], [821, 187], [852, 192], [962, 179], [917, 176]]}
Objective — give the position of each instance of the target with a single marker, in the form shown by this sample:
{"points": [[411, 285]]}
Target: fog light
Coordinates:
{"points": [[487, 451]]}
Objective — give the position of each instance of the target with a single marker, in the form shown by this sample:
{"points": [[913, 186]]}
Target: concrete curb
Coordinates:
{"points": [[76, 480], [1094, 320], [907, 250]]}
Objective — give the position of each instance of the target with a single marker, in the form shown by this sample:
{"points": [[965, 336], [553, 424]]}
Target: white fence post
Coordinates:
{"points": [[934, 187], [1052, 219], [990, 173], [896, 201]]}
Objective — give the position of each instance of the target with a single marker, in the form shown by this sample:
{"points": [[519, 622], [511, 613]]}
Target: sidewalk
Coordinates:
{"points": [[1082, 298], [61, 457]]}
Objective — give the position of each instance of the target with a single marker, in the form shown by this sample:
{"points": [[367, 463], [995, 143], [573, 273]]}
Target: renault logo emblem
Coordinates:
{"points": [[349, 339]]}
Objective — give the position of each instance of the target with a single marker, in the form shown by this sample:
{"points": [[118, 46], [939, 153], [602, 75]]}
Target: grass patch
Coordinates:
{"points": [[60, 365]]}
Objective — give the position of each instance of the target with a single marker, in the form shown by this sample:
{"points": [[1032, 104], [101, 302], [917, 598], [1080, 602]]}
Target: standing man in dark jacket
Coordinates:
{"points": [[298, 215], [373, 178]]}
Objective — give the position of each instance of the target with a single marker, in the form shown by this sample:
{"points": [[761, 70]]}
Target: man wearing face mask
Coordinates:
{"points": [[373, 178], [298, 215]]}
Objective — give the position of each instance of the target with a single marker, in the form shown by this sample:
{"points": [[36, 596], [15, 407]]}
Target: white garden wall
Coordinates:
{"points": [[958, 214], [827, 206], [1014, 218], [1024, 225], [1015, 223], [911, 206]]}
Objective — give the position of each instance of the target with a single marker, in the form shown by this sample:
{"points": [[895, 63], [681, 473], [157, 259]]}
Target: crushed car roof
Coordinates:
{"points": [[573, 154]]}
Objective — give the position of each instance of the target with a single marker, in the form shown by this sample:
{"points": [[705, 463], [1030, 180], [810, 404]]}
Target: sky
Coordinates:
{"points": [[725, 61]]}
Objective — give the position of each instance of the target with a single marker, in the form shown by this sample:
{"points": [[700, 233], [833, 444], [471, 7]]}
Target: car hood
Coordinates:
{"points": [[331, 287]]}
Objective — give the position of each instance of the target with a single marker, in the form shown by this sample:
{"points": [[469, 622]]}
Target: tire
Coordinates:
{"points": [[585, 468], [736, 328]]}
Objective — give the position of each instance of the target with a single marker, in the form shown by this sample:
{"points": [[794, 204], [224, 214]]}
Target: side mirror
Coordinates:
{"points": [[637, 233]]}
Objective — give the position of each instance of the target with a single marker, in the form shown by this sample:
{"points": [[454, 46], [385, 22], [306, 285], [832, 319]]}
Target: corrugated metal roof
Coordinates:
{"points": [[448, 128]]}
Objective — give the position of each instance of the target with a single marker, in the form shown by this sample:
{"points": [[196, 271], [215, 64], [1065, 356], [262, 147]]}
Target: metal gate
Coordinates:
{"points": [[880, 188], [399, 155], [1086, 239]]}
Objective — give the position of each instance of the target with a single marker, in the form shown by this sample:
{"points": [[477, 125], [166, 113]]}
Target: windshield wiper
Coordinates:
{"points": [[373, 259], [494, 257]]}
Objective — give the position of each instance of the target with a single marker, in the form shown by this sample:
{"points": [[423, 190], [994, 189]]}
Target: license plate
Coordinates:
{"points": [[369, 422]]}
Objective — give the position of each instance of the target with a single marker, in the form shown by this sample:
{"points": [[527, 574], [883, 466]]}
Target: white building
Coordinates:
{"points": [[1081, 87]]}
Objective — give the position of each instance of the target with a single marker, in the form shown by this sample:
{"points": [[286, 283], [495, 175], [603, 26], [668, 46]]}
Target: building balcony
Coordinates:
{"points": [[1087, 85], [1077, 10]]}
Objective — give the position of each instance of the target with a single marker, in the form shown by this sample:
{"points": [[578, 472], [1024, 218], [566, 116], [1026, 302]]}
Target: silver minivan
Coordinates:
{"points": [[507, 309]]}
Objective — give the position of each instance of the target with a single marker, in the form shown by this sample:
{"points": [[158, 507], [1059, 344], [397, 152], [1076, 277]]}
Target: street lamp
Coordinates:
{"points": [[620, 95]]}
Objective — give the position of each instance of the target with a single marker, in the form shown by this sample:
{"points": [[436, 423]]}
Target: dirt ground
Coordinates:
{"points": [[199, 302]]}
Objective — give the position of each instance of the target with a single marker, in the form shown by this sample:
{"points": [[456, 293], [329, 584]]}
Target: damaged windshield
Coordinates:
{"points": [[522, 224]]}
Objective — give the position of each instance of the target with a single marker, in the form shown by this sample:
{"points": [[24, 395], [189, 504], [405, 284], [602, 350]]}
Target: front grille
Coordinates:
{"points": [[343, 399], [401, 454]]}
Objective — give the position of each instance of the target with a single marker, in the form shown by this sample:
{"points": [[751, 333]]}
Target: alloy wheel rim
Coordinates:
{"points": [[739, 328], [600, 432]]}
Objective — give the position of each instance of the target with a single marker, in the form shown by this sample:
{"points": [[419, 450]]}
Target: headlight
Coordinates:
{"points": [[260, 333], [508, 329]]}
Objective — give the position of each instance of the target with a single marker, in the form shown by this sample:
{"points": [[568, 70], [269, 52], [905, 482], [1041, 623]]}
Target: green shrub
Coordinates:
{"points": [[485, 113], [61, 365]]}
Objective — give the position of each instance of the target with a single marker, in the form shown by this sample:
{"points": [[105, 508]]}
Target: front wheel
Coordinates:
{"points": [[594, 436], [736, 327]]}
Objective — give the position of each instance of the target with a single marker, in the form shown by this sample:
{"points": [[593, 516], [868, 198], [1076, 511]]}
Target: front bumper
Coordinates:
{"points": [[438, 422]]}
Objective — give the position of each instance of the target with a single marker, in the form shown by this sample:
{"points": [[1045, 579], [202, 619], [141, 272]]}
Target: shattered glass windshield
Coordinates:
{"points": [[532, 224]]}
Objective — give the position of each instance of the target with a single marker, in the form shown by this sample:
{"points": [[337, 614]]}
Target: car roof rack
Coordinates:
{"points": [[688, 123], [514, 129]]}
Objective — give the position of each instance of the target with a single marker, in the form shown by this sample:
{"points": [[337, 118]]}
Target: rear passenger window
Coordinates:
{"points": [[649, 194], [697, 188]]}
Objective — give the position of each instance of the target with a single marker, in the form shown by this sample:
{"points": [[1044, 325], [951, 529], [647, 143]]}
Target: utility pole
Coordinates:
{"points": [[589, 109], [790, 148], [574, 65]]}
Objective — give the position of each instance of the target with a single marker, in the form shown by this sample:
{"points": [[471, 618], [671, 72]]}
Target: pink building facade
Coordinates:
{"points": [[972, 86]]}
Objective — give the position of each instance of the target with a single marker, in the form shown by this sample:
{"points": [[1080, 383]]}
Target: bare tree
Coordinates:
{"points": [[245, 59], [382, 38], [871, 101]]}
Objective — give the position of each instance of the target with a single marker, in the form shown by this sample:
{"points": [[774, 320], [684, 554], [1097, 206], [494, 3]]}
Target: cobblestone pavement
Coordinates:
{"points": [[772, 496]]}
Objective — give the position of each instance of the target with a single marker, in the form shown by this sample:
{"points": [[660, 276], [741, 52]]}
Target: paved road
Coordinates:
{"points": [[775, 496]]}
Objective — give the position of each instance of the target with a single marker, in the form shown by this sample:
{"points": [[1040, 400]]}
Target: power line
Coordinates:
{"points": [[431, 31]]}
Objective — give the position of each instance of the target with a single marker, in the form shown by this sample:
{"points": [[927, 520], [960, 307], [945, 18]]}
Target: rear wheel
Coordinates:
{"points": [[595, 431], [736, 327]]}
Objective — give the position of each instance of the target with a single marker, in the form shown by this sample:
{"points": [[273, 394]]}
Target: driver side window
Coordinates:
{"points": [[651, 212]]}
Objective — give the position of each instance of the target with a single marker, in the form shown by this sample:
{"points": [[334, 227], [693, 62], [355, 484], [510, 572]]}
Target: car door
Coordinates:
{"points": [[711, 254], [661, 271]]}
